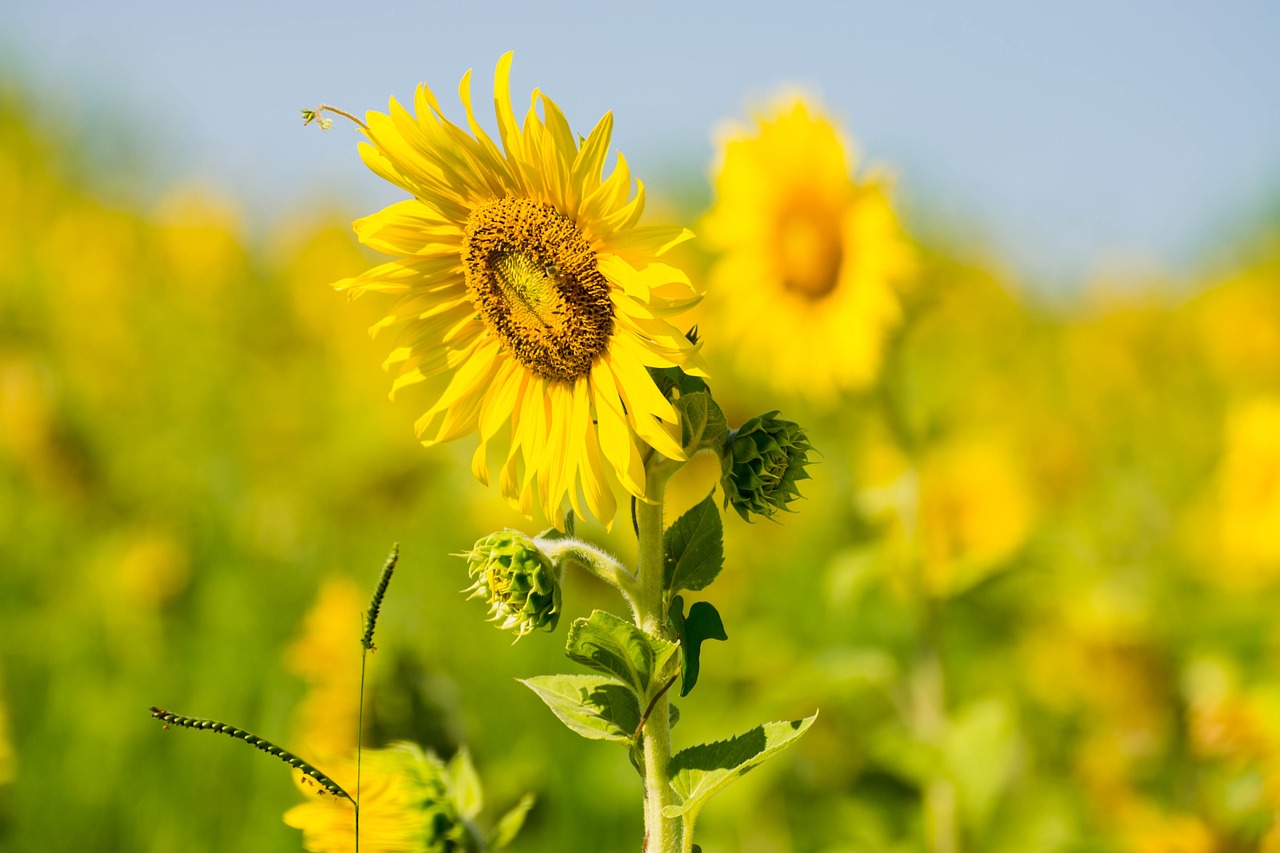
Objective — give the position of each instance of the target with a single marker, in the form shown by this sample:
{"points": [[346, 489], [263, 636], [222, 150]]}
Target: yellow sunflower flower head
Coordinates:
{"points": [[529, 298], [806, 285], [406, 806]]}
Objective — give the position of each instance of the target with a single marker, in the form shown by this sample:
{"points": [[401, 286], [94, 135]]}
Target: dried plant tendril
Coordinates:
{"points": [[171, 719], [371, 619]]}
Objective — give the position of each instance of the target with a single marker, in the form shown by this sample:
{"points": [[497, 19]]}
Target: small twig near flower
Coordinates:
{"points": [[317, 115]]}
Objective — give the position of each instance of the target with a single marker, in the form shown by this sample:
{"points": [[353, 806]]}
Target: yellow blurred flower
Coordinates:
{"points": [[405, 806], [1157, 832], [1238, 321], [326, 656], [1094, 657], [153, 571], [805, 289], [975, 512], [27, 423], [1248, 508], [526, 286]]}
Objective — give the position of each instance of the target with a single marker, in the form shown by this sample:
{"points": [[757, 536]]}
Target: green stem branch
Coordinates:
{"points": [[596, 562]]}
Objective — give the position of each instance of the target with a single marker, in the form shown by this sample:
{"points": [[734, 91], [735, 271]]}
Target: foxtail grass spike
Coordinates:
{"points": [[371, 619], [171, 719]]}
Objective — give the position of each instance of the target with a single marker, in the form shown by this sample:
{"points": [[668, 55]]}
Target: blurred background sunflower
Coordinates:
{"points": [[1033, 585]]}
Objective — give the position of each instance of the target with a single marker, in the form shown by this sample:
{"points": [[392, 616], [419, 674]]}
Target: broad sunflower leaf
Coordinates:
{"points": [[615, 647], [702, 623], [693, 548], [594, 706], [700, 772]]}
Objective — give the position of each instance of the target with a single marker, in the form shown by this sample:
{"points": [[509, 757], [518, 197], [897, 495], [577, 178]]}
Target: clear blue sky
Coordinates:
{"points": [[1068, 133]]}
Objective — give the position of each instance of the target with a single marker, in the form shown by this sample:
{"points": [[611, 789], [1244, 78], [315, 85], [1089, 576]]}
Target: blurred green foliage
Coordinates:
{"points": [[1032, 588]]}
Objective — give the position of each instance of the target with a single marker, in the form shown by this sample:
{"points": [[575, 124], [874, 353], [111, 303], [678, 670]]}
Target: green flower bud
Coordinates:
{"points": [[764, 458], [521, 585]]}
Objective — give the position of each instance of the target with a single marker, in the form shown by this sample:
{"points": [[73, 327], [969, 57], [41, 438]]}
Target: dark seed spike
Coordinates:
{"points": [[371, 619], [169, 718]]}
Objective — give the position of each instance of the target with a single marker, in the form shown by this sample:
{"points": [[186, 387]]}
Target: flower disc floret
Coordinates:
{"points": [[519, 582], [765, 458], [534, 279]]}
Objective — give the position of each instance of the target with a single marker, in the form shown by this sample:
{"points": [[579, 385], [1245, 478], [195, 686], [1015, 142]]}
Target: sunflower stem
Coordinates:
{"points": [[662, 833]]}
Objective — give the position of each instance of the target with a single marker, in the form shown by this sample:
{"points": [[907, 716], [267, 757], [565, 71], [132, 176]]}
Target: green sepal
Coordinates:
{"points": [[594, 706], [552, 534], [702, 423], [700, 772], [702, 623], [464, 784], [693, 549], [617, 648], [674, 383], [510, 823]]}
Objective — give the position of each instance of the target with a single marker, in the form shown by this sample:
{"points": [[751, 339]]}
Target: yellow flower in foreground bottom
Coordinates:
{"points": [[528, 295], [405, 807], [805, 287]]}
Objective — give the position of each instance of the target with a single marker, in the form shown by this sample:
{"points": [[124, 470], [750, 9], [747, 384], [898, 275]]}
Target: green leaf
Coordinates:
{"points": [[596, 707], [702, 623], [700, 772], [702, 423], [510, 823], [693, 549], [615, 647], [468, 796]]}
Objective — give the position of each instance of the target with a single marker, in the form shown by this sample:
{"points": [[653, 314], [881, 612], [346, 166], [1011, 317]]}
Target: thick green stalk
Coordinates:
{"points": [[662, 834]]}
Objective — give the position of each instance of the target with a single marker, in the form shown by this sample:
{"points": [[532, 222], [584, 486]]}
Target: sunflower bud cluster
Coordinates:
{"points": [[764, 459], [521, 585]]}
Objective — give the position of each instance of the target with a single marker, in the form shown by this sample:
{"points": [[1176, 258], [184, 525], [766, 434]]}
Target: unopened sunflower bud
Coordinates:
{"points": [[765, 458], [520, 583]]}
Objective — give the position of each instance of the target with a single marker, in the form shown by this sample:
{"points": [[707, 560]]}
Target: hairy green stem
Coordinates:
{"points": [[594, 561], [662, 834]]}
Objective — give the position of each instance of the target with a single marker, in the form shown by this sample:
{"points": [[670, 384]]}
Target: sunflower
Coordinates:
{"points": [[805, 287], [406, 806], [530, 298]]}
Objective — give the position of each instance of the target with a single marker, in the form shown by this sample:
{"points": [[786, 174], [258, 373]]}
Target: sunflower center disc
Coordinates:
{"points": [[533, 277], [810, 251]]}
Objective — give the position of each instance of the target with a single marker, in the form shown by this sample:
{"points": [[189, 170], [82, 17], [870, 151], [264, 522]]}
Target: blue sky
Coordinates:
{"points": [[1069, 135]]}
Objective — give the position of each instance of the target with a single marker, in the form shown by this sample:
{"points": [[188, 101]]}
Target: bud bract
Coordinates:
{"points": [[520, 583], [764, 459]]}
